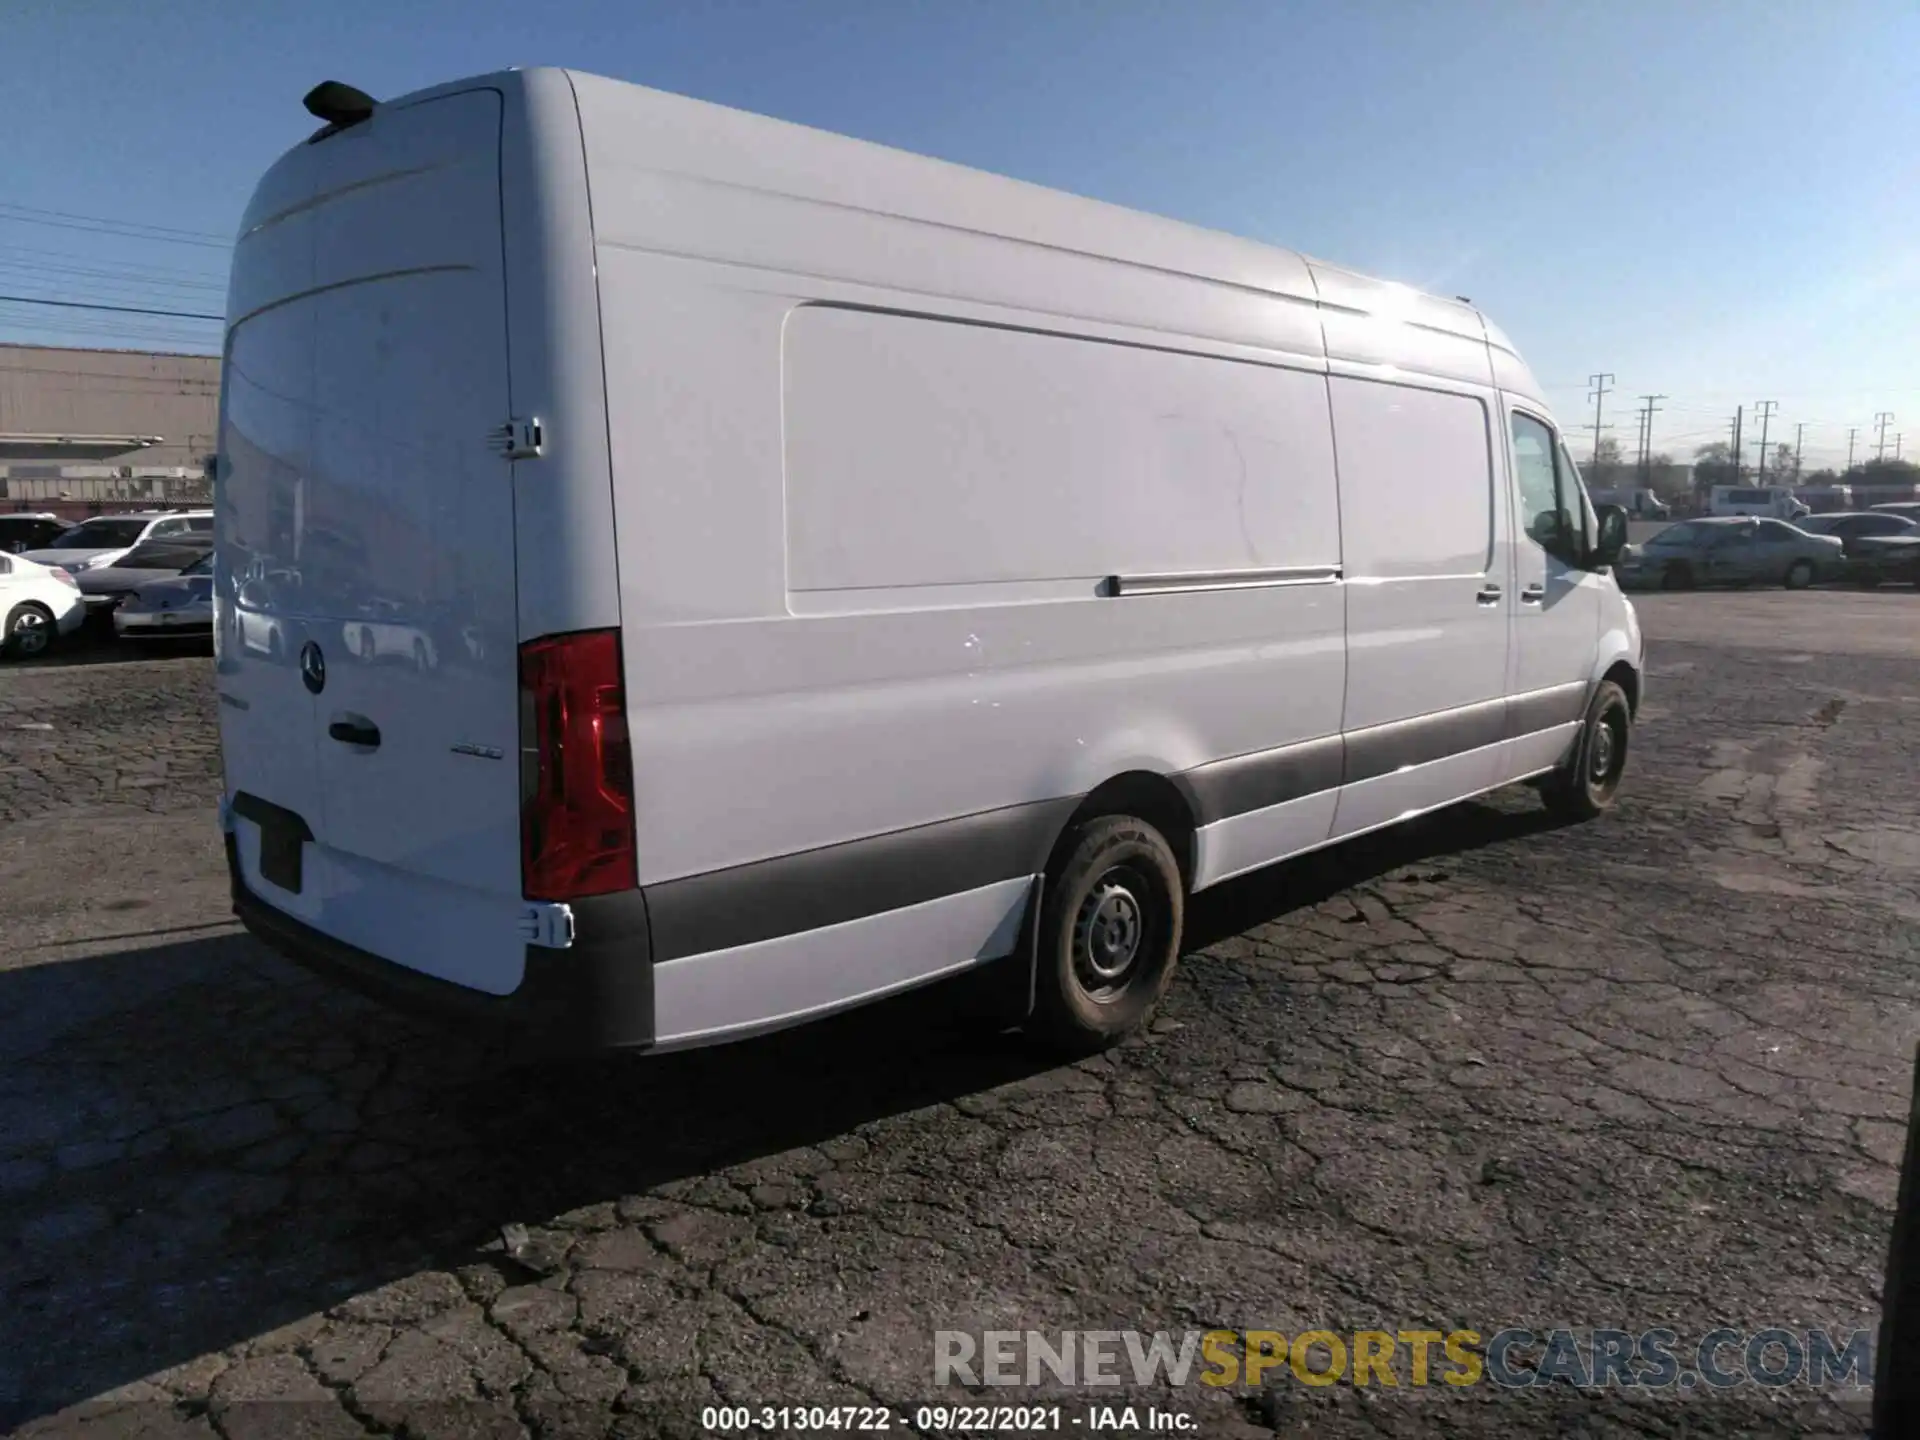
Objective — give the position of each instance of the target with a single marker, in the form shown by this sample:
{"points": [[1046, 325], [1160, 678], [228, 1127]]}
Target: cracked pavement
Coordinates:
{"points": [[1476, 1073]]}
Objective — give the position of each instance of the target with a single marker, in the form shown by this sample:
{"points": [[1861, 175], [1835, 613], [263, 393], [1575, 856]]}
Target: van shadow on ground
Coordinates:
{"points": [[198, 1144]]}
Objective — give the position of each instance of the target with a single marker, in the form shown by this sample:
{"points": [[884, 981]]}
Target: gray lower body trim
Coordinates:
{"points": [[1226, 788], [1544, 709], [837, 883], [811, 889], [1383, 749]]}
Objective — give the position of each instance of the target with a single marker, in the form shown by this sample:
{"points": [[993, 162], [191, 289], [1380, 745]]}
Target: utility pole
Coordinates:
{"points": [[1646, 439], [1799, 428], [1896, 447], [1766, 409], [1600, 388], [1880, 423], [1739, 415], [1853, 432]]}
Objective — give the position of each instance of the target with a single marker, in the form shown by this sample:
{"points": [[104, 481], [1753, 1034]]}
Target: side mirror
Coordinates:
{"points": [[1610, 538]]}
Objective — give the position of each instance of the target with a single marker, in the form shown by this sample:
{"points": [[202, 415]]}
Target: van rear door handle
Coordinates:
{"points": [[356, 731], [1533, 594], [1489, 594]]}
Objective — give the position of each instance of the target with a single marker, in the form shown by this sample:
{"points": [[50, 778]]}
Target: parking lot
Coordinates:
{"points": [[1482, 1072]]}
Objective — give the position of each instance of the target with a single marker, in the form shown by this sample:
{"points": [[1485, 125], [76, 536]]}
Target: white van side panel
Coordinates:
{"points": [[969, 697], [1421, 540], [931, 454], [1426, 558]]}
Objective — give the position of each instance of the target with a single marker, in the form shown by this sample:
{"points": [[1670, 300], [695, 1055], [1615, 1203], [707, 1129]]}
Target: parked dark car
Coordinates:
{"points": [[1882, 546], [1847, 526], [1731, 550], [1908, 508], [107, 586], [21, 532]]}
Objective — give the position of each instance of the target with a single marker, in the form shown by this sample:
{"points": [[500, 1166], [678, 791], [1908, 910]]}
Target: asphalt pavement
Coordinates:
{"points": [[1485, 1071]]}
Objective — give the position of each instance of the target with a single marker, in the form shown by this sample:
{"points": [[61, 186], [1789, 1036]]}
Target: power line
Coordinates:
{"points": [[117, 277], [35, 255], [101, 225], [118, 309], [1881, 421]]}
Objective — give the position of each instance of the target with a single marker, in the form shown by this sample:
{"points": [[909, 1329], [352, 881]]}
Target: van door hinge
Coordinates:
{"points": [[519, 439], [548, 926]]}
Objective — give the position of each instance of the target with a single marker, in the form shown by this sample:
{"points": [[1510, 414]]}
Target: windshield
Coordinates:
{"points": [[103, 534], [169, 554]]}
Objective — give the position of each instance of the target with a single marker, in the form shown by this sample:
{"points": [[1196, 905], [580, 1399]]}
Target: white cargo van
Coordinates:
{"points": [[1774, 501], [1642, 504], [839, 569]]}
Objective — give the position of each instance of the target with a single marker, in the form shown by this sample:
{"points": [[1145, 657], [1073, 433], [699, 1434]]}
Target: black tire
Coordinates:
{"points": [[29, 632], [1111, 919], [1677, 577], [1799, 575], [1588, 784]]}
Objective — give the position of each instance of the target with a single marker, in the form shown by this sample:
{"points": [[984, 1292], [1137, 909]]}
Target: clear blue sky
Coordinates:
{"points": [[1714, 199]]}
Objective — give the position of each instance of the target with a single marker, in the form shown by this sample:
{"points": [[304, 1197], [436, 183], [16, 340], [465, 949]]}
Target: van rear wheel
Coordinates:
{"points": [[1110, 926], [1586, 786]]}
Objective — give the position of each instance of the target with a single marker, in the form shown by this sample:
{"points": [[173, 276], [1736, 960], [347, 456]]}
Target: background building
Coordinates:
{"points": [[84, 430]]}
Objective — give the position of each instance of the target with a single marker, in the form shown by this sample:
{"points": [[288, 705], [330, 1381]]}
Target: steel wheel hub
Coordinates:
{"points": [[1108, 932], [1604, 747]]}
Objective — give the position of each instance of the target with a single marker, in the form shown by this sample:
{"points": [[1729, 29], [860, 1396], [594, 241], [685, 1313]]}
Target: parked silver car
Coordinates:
{"points": [[1732, 550]]}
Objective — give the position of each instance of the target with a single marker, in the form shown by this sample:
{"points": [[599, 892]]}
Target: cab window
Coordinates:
{"points": [[1552, 506]]}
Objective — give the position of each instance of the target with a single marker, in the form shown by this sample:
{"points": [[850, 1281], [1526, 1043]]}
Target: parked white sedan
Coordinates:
{"points": [[38, 603]]}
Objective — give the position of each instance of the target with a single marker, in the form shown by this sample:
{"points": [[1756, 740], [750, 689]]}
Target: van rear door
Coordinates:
{"points": [[364, 496]]}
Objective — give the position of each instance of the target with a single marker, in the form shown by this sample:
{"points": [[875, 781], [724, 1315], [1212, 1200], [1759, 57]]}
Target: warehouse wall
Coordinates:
{"points": [[114, 392]]}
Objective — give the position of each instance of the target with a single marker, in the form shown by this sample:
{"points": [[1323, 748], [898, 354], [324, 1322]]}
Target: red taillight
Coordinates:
{"points": [[576, 768]]}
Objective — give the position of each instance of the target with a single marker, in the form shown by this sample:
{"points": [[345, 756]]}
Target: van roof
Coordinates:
{"points": [[973, 199]]}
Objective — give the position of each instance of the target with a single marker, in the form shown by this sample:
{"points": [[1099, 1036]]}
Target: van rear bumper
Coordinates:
{"points": [[597, 994]]}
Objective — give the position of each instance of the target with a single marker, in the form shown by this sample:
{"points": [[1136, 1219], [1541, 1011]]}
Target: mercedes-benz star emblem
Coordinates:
{"points": [[313, 668]]}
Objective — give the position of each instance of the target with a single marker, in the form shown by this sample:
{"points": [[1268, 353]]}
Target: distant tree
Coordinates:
{"points": [[1884, 472], [1825, 476], [1713, 465]]}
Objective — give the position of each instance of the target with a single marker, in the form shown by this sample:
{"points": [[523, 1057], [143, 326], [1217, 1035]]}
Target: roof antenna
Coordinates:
{"points": [[339, 105]]}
